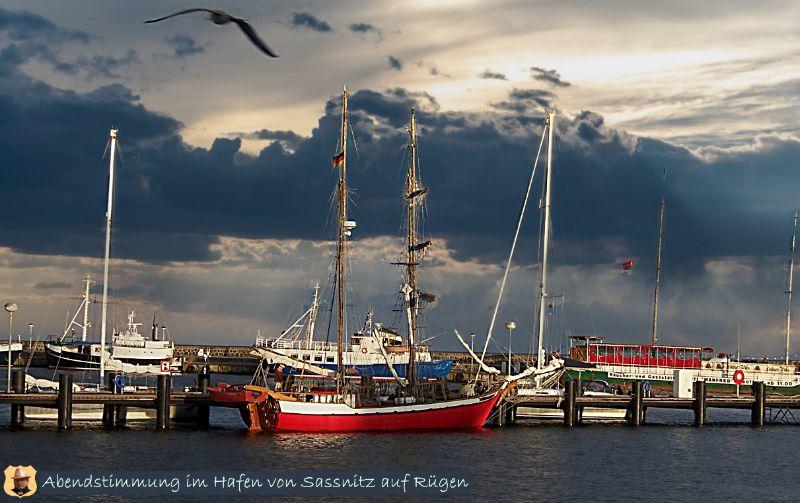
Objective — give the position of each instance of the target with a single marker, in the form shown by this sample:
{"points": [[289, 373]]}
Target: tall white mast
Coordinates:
{"points": [[550, 125], [789, 288], [106, 257], [658, 271], [87, 281]]}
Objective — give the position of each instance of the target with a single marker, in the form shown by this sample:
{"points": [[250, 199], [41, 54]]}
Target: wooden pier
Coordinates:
{"points": [[636, 404], [114, 402]]}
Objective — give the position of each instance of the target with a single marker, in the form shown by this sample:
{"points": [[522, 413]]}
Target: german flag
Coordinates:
{"points": [[338, 159]]}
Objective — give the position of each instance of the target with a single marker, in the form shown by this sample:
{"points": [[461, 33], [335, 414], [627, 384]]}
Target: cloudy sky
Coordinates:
{"points": [[223, 196]]}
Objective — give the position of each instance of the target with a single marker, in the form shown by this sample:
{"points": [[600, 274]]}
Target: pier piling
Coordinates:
{"points": [[569, 403], [64, 401], [110, 411], [699, 403], [759, 404], [635, 408], [18, 385], [162, 402], [203, 411]]}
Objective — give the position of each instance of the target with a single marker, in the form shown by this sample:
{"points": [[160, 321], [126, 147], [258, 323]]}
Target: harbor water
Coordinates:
{"points": [[667, 459]]}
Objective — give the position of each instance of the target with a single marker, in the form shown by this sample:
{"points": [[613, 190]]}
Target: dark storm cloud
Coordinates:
{"points": [[309, 21], [55, 285], [107, 66], [26, 26], [394, 63], [184, 45], [365, 28], [488, 74], [174, 200], [288, 138], [549, 76], [524, 100]]}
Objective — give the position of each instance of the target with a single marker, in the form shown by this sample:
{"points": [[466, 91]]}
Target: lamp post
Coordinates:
{"points": [[510, 325], [10, 308], [30, 335]]}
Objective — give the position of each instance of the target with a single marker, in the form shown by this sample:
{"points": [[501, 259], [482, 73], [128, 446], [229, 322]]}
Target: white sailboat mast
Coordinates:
{"points": [[85, 327], [658, 271], [106, 256], [789, 288], [550, 125]]}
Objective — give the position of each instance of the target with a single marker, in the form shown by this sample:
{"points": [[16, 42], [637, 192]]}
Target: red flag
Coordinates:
{"points": [[627, 265], [338, 160]]}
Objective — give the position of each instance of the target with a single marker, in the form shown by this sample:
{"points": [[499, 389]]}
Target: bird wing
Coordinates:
{"points": [[180, 12], [253, 36]]}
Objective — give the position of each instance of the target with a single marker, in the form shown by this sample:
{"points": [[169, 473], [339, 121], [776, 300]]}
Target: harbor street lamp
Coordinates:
{"points": [[10, 307], [510, 325], [30, 335]]}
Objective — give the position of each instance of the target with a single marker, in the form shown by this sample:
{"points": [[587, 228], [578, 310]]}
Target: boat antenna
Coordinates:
{"points": [[106, 256], [792, 251], [658, 264]]}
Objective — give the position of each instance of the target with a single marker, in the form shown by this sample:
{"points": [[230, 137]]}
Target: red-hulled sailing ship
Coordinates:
{"points": [[334, 401]]}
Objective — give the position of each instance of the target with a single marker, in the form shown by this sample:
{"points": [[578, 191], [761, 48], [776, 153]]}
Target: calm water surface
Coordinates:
{"points": [[665, 460]]}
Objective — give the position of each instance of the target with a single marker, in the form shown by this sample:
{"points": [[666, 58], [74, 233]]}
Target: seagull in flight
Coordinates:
{"points": [[221, 17]]}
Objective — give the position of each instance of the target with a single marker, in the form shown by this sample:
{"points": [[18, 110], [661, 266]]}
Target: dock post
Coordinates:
{"points": [[578, 408], [699, 403], [569, 403], [759, 404], [203, 411], [18, 385], [510, 413], [110, 411], [162, 402], [64, 401], [501, 413], [635, 410]]}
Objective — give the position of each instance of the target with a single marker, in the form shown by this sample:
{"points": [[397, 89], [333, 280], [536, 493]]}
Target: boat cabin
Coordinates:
{"points": [[592, 349]]}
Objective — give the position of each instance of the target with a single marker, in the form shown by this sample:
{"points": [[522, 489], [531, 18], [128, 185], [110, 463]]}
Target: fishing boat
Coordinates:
{"points": [[15, 348], [334, 403], [369, 353], [129, 350]]}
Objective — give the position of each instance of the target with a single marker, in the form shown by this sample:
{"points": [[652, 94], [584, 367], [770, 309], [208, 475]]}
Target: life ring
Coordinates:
{"points": [[364, 350], [119, 381], [738, 376]]}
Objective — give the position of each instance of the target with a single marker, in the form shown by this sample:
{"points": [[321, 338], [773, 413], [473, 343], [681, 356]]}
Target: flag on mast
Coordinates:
{"points": [[627, 265], [338, 159]]}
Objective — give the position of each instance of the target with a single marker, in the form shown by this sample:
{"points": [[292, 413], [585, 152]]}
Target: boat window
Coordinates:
{"points": [[293, 356], [317, 358], [606, 350], [329, 359], [306, 357]]}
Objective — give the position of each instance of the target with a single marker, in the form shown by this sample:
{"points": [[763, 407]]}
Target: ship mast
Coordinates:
{"points": [[658, 270], [550, 125], [341, 250], [412, 194], [312, 316], [792, 251], [87, 281], [113, 139]]}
